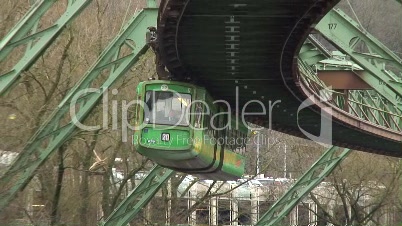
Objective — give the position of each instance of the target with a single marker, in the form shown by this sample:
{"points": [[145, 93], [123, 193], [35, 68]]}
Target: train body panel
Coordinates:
{"points": [[178, 129]]}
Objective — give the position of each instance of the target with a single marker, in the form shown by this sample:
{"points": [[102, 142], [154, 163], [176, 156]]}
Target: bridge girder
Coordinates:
{"points": [[345, 34], [139, 197], [318, 171], [53, 133], [25, 33], [57, 134]]}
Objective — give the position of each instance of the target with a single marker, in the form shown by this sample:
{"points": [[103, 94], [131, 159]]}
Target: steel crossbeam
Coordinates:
{"points": [[53, 133], [346, 35], [320, 169], [37, 41], [139, 197]]}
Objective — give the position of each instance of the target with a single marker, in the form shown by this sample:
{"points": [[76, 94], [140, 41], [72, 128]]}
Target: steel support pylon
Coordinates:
{"points": [[313, 54], [320, 169], [346, 34], [85, 95], [25, 33], [139, 197]]}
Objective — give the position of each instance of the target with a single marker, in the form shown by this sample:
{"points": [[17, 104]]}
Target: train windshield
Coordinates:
{"points": [[167, 108]]}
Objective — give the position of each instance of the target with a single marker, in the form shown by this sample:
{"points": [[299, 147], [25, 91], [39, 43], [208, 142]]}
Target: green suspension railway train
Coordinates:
{"points": [[179, 127]]}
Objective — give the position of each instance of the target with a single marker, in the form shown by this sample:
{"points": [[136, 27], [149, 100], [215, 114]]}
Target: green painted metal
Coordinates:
{"points": [[335, 30], [367, 105], [196, 42], [370, 105], [53, 133], [314, 54], [25, 33], [152, 4], [348, 36], [320, 169], [24, 26], [338, 62], [312, 51], [33, 29], [188, 147], [139, 197]]}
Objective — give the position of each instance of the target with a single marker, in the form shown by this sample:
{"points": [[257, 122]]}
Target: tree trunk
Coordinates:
{"points": [[54, 214], [84, 189]]}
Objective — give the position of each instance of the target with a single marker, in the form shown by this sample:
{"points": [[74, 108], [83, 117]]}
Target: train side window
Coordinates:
{"points": [[206, 123], [215, 124], [137, 111], [198, 115]]}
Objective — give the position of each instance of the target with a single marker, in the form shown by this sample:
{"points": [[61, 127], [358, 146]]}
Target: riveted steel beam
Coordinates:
{"points": [[139, 197], [312, 51], [320, 169], [24, 33], [24, 26], [347, 36], [54, 132], [316, 56]]}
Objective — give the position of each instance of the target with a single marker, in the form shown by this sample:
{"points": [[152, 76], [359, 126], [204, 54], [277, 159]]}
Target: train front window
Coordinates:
{"points": [[167, 108]]}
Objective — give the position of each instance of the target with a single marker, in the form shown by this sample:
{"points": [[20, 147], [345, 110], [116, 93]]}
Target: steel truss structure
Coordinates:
{"points": [[53, 133], [336, 27], [304, 185], [25, 33], [139, 197]]}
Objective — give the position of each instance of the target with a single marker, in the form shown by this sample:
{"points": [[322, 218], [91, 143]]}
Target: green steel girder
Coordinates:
{"points": [[347, 36], [338, 61], [320, 169], [139, 197], [53, 133], [37, 41], [359, 103], [380, 108], [318, 64], [313, 54], [389, 95], [312, 51], [317, 50], [24, 26]]}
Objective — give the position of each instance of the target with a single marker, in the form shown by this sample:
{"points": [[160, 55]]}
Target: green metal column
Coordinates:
{"points": [[320, 169], [139, 197], [55, 131], [23, 33], [347, 36]]}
